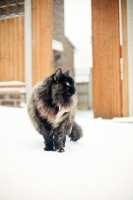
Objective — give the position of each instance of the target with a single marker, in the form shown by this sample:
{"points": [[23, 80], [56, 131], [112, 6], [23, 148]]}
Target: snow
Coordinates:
{"points": [[97, 167], [20, 90], [124, 119], [10, 83]]}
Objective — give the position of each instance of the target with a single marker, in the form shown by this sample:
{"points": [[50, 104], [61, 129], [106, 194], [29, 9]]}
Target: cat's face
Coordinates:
{"points": [[68, 88], [63, 86]]}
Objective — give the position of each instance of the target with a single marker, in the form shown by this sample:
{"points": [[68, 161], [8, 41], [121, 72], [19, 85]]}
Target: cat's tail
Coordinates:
{"points": [[76, 132]]}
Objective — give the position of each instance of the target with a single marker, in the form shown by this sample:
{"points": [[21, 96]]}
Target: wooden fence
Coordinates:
{"points": [[84, 93]]}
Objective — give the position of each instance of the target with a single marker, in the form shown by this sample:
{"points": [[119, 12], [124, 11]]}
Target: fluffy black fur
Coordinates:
{"points": [[52, 108]]}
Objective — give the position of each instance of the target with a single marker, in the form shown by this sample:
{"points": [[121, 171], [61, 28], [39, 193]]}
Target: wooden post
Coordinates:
{"points": [[130, 54], [106, 59], [28, 47], [125, 92]]}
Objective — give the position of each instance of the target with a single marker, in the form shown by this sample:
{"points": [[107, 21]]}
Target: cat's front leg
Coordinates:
{"points": [[59, 140], [48, 137], [48, 142]]}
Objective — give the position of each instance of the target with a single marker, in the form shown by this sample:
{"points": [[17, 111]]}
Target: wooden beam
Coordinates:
{"points": [[125, 93], [28, 47], [42, 53], [106, 59]]}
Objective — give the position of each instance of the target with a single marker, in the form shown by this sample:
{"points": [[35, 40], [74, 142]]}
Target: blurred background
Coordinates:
{"points": [[39, 36]]}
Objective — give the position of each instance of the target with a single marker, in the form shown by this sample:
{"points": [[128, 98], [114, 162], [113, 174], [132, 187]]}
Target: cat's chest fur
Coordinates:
{"points": [[55, 118], [62, 112]]}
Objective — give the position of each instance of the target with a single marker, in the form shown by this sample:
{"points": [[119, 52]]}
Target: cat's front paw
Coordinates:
{"points": [[48, 149], [61, 150]]}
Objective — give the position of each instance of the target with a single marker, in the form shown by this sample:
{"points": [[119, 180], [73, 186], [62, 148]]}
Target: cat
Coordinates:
{"points": [[51, 108]]}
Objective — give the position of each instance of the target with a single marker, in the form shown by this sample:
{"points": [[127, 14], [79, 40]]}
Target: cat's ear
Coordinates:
{"points": [[57, 74], [66, 73]]}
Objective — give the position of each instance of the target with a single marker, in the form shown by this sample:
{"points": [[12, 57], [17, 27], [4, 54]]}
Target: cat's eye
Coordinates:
{"points": [[67, 83]]}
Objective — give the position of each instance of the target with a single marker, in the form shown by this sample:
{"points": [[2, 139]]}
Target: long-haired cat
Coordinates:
{"points": [[52, 108]]}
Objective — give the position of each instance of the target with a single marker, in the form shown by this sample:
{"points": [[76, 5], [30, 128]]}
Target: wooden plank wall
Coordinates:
{"points": [[42, 39], [106, 59], [12, 49], [12, 44]]}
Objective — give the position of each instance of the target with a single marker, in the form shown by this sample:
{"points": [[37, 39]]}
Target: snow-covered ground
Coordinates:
{"points": [[97, 167]]}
